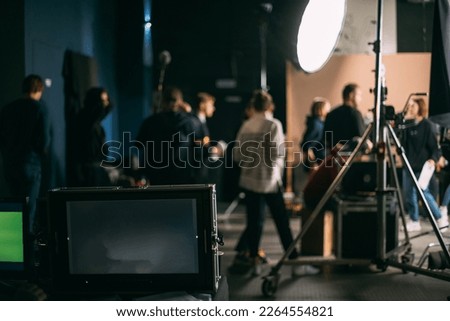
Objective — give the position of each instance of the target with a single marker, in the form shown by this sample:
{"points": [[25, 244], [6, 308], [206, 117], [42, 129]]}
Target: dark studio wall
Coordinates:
{"points": [[12, 56], [12, 53], [36, 34], [134, 85], [414, 25]]}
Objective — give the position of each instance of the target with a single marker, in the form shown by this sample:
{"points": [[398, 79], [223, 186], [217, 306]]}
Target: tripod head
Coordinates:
{"points": [[387, 112]]}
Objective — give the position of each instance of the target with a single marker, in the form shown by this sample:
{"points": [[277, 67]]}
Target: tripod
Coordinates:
{"points": [[382, 132]]}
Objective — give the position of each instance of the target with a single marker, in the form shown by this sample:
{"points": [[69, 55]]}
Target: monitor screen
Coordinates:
{"points": [[125, 236], [13, 238], [115, 240]]}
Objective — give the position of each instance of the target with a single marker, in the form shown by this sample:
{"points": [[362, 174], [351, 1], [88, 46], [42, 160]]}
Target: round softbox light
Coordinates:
{"points": [[318, 33]]}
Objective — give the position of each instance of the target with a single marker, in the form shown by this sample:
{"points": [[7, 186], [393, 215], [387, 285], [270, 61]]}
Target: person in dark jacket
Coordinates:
{"points": [[421, 147], [207, 151], [166, 140], [90, 142], [24, 141], [311, 145], [345, 124]]}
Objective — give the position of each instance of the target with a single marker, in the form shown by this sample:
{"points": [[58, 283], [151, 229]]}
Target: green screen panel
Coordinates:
{"points": [[11, 244]]}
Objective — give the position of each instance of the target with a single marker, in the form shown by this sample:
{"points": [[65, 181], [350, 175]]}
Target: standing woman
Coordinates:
{"points": [[260, 154], [311, 145], [421, 147]]}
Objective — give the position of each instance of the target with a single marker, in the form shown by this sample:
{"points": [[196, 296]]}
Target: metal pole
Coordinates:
{"points": [[378, 75], [380, 139], [264, 10]]}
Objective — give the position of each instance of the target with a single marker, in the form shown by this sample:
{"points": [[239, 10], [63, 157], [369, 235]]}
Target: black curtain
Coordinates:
{"points": [[440, 61], [80, 74]]}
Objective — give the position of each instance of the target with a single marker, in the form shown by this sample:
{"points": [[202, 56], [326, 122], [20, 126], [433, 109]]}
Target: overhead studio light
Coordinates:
{"points": [[318, 33]]}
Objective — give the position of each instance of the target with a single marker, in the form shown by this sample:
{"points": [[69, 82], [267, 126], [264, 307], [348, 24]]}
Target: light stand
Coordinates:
{"points": [[380, 138], [164, 58], [381, 130], [265, 10]]}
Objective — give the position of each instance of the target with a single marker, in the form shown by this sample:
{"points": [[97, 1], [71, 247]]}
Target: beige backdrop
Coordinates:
{"points": [[404, 74]]}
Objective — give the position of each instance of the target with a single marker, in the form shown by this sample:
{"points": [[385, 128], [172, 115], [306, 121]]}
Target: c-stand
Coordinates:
{"points": [[382, 131]]}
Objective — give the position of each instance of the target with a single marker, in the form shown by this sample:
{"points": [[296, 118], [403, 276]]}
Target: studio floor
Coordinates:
{"points": [[336, 282]]}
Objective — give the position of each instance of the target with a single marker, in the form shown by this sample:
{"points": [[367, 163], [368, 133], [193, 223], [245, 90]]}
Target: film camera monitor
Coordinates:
{"points": [[134, 240], [14, 240]]}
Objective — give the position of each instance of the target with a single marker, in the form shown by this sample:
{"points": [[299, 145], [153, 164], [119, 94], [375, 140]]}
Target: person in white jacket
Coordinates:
{"points": [[260, 154]]}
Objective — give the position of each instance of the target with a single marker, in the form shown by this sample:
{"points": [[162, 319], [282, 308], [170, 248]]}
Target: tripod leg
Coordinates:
{"points": [[397, 190], [381, 194], [406, 163], [331, 189]]}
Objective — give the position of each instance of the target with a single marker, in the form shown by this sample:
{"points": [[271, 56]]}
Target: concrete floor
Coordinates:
{"points": [[343, 281]]}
